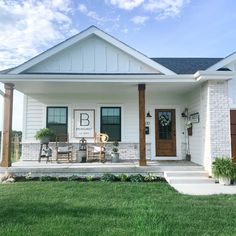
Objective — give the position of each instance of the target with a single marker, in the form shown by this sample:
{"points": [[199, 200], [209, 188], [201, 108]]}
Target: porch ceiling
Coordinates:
{"points": [[36, 87]]}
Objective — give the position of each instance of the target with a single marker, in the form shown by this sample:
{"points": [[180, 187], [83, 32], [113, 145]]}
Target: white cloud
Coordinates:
{"points": [[165, 8], [30, 26], [139, 20], [82, 8], [100, 20], [126, 4]]}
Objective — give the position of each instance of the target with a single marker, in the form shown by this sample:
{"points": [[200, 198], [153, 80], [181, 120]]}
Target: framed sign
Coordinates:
{"points": [[194, 118], [84, 123]]}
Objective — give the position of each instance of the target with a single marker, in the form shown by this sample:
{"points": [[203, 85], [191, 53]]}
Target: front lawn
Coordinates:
{"points": [[100, 208]]}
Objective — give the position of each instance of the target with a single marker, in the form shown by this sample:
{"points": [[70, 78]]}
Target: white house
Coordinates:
{"points": [[93, 82]]}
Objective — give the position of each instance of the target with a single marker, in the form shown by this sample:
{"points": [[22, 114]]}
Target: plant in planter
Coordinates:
{"points": [[115, 152], [224, 169], [45, 135]]}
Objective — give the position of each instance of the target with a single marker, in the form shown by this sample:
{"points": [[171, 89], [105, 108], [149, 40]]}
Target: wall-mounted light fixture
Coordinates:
{"points": [[184, 114], [148, 114]]}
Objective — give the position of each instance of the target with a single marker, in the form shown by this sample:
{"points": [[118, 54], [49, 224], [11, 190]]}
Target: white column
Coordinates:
{"points": [[216, 121]]}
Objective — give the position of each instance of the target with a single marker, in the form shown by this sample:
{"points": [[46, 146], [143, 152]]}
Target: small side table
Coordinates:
{"points": [[45, 152]]}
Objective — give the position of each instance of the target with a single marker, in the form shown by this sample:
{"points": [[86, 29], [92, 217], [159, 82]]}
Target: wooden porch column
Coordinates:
{"points": [[142, 135], [7, 125]]}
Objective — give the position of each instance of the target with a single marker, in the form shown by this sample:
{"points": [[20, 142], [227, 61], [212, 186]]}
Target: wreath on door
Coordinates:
{"points": [[164, 120]]}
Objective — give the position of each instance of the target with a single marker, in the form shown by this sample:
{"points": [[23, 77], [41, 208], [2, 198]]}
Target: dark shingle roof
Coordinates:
{"points": [[186, 65]]}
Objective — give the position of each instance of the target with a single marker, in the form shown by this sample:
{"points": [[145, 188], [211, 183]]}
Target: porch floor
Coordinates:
{"points": [[22, 168]]}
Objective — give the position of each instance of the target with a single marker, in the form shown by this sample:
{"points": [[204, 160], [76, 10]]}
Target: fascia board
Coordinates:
{"points": [[96, 78]]}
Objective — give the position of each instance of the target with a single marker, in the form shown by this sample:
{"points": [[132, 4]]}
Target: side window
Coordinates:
{"points": [[57, 120], [111, 122]]}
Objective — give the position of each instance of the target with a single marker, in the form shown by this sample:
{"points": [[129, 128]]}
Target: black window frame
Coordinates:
{"points": [[101, 124], [56, 107]]}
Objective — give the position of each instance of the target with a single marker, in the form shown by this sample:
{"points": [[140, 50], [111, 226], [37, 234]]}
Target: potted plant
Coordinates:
{"points": [[45, 135], [224, 169], [115, 152]]}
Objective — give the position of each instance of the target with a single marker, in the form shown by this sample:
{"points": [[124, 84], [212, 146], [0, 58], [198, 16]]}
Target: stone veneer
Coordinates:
{"points": [[30, 151]]}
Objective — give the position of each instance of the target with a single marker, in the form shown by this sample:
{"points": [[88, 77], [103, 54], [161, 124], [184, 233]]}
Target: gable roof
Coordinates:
{"points": [[187, 65], [222, 63], [81, 36]]}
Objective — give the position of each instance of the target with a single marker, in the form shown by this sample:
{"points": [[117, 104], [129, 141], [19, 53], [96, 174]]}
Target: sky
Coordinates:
{"points": [[157, 28]]}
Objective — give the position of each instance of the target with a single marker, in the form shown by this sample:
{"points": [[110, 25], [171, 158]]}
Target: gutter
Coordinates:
{"points": [[125, 78]]}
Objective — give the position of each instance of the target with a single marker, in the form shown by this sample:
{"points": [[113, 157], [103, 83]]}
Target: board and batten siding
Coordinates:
{"points": [[34, 118], [93, 55]]}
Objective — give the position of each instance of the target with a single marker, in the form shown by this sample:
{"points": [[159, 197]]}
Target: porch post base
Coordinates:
{"points": [[142, 162]]}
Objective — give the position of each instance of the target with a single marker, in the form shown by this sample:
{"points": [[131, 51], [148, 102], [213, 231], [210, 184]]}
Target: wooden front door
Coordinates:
{"points": [[165, 132], [233, 133]]}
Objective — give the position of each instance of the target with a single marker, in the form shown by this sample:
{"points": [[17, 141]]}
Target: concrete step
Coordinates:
{"points": [[170, 174], [188, 177], [190, 180]]}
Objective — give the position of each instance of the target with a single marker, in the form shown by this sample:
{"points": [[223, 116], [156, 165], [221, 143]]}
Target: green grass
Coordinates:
{"points": [[100, 208]]}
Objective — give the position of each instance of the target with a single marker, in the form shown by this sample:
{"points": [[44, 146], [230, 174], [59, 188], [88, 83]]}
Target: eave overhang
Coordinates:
{"points": [[214, 75], [98, 78]]}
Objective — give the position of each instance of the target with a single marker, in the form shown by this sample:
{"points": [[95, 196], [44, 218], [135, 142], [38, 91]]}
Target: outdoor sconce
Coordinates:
{"points": [[184, 114], [148, 114]]}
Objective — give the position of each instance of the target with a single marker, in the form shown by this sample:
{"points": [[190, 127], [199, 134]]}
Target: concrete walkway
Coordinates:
{"points": [[196, 183]]}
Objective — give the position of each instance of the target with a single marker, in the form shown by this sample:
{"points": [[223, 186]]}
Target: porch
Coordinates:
{"points": [[96, 169]]}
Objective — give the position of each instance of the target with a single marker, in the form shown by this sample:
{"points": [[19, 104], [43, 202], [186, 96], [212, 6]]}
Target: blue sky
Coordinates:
{"points": [[157, 28]]}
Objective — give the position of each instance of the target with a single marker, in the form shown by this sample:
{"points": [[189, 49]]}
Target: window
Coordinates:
{"points": [[57, 120], [165, 124], [111, 122]]}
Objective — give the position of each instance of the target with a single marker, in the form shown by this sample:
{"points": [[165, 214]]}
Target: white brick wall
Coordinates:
{"points": [[216, 121]]}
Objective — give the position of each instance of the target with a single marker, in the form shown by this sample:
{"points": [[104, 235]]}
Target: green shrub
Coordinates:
{"points": [[29, 176], [150, 177], [136, 178], [224, 167], [108, 178], [73, 178], [89, 178], [45, 178], [123, 177]]}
